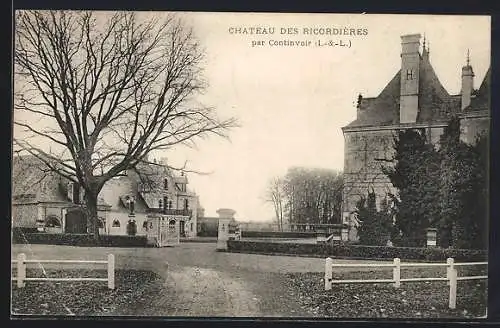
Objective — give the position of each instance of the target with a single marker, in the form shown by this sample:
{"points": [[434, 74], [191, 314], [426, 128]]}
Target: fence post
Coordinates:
{"points": [[21, 270], [111, 271], [328, 273], [450, 262], [453, 288], [396, 272]]}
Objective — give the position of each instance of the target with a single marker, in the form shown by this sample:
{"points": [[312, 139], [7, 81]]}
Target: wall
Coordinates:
{"points": [[365, 153], [123, 218], [24, 215], [472, 126], [362, 169]]}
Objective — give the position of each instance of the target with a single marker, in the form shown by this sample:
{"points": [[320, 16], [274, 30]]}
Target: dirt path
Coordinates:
{"points": [[193, 291]]}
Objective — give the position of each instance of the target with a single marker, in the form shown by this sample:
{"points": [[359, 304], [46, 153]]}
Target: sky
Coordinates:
{"points": [[291, 102]]}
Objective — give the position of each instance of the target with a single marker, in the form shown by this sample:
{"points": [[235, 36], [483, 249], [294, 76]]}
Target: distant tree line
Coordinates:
{"points": [[443, 187], [306, 195]]}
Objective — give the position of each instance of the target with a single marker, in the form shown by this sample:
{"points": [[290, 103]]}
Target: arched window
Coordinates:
{"points": [[100, 223], [52, 222], [116, 224], [145, 225]]}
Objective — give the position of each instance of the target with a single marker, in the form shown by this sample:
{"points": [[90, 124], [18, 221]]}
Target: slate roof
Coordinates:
{"points": [[435, 103], [481, 101], [30, 176]]}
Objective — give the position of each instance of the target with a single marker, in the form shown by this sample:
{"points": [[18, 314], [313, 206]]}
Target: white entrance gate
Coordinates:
{"points": [[163, 231]]}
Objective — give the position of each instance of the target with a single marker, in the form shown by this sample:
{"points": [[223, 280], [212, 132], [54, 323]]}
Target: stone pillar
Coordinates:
{"points": [[64, 211], [223, 234], [40, 219], [226, 215], [178, 230]]}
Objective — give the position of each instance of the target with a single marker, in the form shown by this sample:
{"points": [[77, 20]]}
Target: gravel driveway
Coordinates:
{"points": [[200, 281]]}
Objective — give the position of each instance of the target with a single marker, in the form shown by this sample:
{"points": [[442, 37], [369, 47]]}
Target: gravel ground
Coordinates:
{"points": [[84, 298], [411, 300], [192, 279]]}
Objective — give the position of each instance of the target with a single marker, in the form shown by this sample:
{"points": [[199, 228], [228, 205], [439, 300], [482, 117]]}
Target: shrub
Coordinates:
{"points": [[278, 234], [82, 240], [376, 226], [358, 251], [19, 234]]}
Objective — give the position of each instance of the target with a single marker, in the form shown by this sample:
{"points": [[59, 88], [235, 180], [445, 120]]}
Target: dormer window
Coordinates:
{"points": [[409, 74], [181, 186]]}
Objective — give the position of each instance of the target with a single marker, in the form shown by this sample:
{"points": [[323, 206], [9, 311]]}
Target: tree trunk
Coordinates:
{"points": [[91, 212]]}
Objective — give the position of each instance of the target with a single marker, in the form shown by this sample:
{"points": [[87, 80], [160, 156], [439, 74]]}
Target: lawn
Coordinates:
{"points": [[412, 300], [88, 298]]}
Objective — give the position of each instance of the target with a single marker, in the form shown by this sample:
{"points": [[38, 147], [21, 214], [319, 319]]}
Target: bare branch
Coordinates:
{"points": [[110, 89]]}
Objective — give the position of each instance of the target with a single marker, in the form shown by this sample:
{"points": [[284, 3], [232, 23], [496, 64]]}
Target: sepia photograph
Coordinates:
{"points": [[250, 165]]}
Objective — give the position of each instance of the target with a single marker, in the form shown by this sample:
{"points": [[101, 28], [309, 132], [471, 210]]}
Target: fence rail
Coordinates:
{"points": [[22, 262], [451, 274]]}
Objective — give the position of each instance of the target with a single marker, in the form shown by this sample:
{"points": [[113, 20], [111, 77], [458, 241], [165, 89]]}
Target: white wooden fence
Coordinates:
{"points": [[451, 274], [21, 263]]}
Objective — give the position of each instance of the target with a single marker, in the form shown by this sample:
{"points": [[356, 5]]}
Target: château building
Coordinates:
{"points": [[414, 98], [44, 201]]}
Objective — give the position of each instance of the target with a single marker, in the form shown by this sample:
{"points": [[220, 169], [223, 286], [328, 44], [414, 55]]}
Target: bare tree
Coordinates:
{"points": [[307, 195], [105, 90], [276, 195]]}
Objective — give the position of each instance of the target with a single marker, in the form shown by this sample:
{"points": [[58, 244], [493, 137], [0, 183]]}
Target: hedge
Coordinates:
{"points": [[358, 251], [79, 239], [278, 234], [207, 233]]}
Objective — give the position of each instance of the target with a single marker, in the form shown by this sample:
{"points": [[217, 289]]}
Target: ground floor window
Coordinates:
{"points": [[52, 222]]}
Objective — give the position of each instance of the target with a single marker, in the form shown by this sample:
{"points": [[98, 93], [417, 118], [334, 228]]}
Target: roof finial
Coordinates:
{"points": [[468, 57]]}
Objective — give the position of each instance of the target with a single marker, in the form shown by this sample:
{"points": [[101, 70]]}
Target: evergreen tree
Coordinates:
{"points": [[375, 228], [463, 183], [416, 176], [480, 213]]}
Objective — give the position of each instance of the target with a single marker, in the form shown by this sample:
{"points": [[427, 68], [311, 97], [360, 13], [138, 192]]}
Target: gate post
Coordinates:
{"points": [[396, 272], [328, 273], [111, 271], [21, 270], [223, 234]]}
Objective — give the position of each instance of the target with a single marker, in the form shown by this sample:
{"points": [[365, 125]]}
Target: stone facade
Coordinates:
{"points": [[156, 191], [414, 98], [42, 199]]}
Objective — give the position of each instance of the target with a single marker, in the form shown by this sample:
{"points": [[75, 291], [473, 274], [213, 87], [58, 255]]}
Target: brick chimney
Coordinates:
{"points": [[410, 62], [467, 83]]}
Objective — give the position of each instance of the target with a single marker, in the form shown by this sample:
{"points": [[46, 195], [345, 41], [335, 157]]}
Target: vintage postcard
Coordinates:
{"points": [[257, 165]]}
